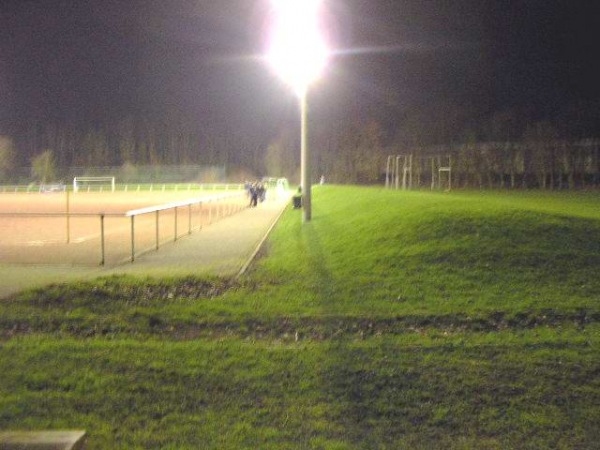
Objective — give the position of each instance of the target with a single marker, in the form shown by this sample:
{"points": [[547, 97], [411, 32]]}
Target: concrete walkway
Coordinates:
{"points": [[221, 248]]}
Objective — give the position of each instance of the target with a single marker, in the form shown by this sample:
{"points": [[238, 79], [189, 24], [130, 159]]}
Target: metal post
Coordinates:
{"points": [[449, 172], [132, 238], [432, 174], [157, 230], [387, 171], [175, 224], [102, 254], [305, 160], [68, 215]]}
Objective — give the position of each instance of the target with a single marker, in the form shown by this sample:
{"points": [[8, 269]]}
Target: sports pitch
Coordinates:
{"points": [[36, 229]]}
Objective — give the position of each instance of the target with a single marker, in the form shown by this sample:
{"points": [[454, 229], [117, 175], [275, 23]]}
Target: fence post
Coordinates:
{"points": [[68, 216], [387, 171], [132, 238], [102, 248], [175, 224], [157, 229], [432, 174]]}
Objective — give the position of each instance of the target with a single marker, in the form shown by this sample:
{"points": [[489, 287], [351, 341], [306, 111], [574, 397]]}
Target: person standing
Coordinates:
{"points": [[262, 192], [253, 195]]}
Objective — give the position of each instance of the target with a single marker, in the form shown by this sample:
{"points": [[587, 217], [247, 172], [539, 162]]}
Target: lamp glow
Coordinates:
{"points": [[298, 53], [297, 50]]}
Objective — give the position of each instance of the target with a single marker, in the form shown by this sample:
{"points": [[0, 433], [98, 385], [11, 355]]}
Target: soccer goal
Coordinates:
{"points": [[95, 184], [55, 187]]}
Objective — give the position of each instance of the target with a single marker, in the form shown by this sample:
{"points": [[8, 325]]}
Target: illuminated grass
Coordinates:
{"points": [[380, 252], [392, 320], [536, 389]]}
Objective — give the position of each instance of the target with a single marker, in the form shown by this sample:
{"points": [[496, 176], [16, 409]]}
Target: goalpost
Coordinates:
{"points": [[399, 171], [93, 183]]}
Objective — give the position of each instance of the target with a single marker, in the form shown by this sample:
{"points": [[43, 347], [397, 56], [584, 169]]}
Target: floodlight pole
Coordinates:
{"points": [[299, 53], [305, 160]]}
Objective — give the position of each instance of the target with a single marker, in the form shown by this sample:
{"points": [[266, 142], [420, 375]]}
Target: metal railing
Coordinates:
{"points": [[217, 207], [142, 233], [128, 187]]}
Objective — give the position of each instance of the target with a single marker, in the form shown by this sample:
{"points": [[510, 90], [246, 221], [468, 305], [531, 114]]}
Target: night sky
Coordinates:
{"points": [[92, 61]]}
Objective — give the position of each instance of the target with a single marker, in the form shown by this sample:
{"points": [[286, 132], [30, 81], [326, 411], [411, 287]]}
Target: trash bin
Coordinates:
{"points": [[297, 201]]}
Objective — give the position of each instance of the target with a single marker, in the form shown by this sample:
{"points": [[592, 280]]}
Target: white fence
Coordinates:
{"points": [[215, 208], [137, 187]]}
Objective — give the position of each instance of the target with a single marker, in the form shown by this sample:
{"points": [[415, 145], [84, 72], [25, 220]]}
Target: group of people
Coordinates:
{"points": [[257, 192]]}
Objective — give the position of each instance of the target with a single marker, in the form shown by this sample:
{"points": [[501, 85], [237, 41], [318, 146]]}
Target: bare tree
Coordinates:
{"points": [[280, 158], [43, 166], [126, 141], [7, 156], [539, 140]]}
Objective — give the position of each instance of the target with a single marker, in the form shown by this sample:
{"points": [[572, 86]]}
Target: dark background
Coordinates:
{"points": [[93, 64]]}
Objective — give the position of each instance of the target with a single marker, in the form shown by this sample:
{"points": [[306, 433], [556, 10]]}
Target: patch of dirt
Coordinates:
{"points": [[287, 329]]}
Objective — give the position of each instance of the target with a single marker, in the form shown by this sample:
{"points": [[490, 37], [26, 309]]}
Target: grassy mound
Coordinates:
{"points": [[392, 320]]}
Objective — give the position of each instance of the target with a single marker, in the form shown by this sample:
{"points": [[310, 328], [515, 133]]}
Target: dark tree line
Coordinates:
{"points": [[125, 144], [542, 164], [128, 141], [514, 148], [507, 149], [511, 148]]}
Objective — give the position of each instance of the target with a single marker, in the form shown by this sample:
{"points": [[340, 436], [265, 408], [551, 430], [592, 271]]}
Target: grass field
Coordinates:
{"points": [[392, 320]]}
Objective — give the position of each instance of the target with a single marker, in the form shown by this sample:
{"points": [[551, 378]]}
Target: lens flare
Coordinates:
{"points": [[297, 49]]}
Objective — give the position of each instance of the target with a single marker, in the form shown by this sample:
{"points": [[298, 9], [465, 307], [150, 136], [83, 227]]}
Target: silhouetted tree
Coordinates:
{"points": [[43, 167], [7, 156]]}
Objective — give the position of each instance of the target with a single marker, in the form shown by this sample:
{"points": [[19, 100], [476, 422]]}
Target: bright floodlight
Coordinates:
{"points": [[297, 49]]}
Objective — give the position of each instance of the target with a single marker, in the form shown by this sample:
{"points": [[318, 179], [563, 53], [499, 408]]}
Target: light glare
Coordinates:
{"points": [[297, 49]]}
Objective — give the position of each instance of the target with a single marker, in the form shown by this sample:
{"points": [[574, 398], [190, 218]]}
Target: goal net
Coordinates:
{"points": [[55, 187], [93, 184]]}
